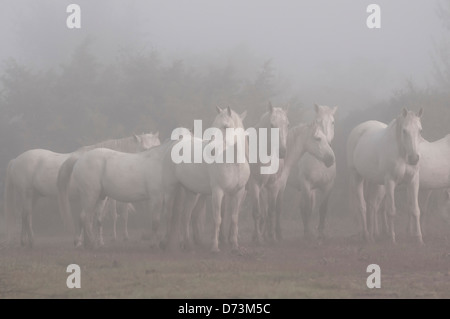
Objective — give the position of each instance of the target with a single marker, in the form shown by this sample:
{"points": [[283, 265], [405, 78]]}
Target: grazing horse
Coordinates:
{"points": [[224, 181], [275, 117], [386, 155], [313, 178], [33, 174], [125, 177]]}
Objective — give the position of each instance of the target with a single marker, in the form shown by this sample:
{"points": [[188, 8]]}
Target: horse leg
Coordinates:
{"points": [[89, 204], [125, 213], [412, 191], [114, 215], [358, 185], [154, 206], [323, 211], [235, 203], [255, 192], [78, 240], [279, 211], [99, 216], [272, 194], [217, 197], [27, 230], [189, 204], [390, 206], [172, 204], [424, 199], [306, 206], [374, 196], [198, 219], [223, 225]]}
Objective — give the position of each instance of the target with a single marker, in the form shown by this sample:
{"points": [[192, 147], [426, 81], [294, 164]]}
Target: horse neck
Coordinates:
{"points": [[394, 133], [127, 144], [295, 146]]}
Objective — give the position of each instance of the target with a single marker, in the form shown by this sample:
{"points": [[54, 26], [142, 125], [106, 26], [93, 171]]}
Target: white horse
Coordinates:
{"points": [[124, 177], [386, 155], [434, 168], [224, 181], [33, 174], [275, 117], [313, 178], [301, 139]]}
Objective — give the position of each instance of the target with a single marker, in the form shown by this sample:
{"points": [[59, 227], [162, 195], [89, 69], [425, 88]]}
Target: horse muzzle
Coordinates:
{"points": [[413, 159], [328, 161]]}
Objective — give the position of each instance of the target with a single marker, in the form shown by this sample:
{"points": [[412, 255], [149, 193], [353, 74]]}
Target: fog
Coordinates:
{"points": [[322, 48], [139, 66]]}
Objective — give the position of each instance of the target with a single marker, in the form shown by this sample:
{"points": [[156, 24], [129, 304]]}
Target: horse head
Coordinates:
{"points": [[325, 119], [277, 118], [227, 118], [409, 129], [147, 141], [318, 146]]}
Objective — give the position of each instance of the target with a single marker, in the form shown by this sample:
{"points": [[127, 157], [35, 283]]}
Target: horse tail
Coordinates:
{"points": [[63, 182], [9, 201]]}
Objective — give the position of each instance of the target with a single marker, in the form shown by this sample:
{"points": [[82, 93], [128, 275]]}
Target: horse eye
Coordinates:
{"points": [[318, 138]]}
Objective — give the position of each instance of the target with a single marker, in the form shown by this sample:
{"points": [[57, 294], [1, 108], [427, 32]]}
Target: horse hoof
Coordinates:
{"points": [[215, 250], [420, 242]]}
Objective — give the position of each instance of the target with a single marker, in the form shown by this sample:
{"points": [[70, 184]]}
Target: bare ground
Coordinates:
{"points": [[292, 268]]}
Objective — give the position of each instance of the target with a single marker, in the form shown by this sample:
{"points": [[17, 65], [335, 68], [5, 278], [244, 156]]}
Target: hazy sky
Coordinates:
{"points": [[323, 46]]}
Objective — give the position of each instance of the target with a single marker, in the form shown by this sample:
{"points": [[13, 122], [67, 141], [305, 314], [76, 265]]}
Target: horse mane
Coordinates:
{"points": [[126, 144]]}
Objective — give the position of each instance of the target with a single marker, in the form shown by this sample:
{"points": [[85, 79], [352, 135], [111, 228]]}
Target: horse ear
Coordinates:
{"points": [[404, 112], [219, 110], [420, 113], [243, 115], [229, 111], [334, 110], [316, 107], [137, 138], [270, 107]]}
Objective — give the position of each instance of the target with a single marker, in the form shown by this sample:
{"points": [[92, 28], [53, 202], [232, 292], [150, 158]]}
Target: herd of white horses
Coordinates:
{"points": [[139, 170]]}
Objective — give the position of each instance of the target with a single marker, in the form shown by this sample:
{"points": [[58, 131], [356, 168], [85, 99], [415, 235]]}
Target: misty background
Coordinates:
{"points": [[141, 66]]}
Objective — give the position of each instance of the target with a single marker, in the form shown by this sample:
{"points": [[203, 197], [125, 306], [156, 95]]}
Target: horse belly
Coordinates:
{"points": [[194, 176], [434, 170], [230, 177], [123, 180]]}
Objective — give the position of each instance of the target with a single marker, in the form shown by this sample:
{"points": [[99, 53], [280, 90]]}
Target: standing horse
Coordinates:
{"points": [[34, 173], [301, 139], [224, 181], [125, 177], [275, 117], [386, 155], [313, 178], [434, 168]]}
